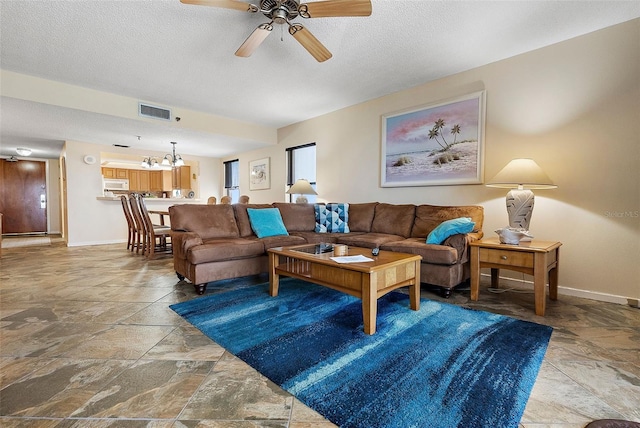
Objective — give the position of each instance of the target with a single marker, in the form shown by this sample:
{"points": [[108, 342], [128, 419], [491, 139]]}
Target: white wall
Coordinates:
{"points": [[574, 107]]}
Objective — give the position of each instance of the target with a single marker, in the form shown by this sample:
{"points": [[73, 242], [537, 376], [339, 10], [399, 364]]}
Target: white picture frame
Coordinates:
{"points": [[259, 174]]}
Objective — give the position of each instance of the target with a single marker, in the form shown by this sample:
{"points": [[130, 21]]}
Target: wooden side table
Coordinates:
{"points": [[537, 258]]}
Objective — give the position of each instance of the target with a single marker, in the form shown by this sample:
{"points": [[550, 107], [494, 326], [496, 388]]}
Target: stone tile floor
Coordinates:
{"points": [[87, 339]]}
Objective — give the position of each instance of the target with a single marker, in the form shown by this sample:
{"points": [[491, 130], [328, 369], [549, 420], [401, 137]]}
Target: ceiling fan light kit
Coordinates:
{"points": [[283, 12]]}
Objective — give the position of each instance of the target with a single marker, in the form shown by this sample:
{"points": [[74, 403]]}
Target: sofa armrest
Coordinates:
{"points": [[475, 235], [182, 241], [461, 242]]}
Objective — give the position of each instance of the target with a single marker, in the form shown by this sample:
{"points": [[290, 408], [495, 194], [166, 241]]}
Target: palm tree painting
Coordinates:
{"points": [[433, 145]]}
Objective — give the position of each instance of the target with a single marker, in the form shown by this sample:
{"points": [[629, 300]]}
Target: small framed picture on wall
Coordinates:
{"points": [[259, 174]]}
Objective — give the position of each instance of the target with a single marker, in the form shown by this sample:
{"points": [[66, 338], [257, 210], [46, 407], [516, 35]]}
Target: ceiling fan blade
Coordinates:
{"points": [[254, 40], [334, 8], [227, 4], [309, 42]]}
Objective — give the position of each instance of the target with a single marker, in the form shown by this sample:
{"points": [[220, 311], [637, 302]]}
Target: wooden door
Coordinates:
{"points": [[23, 196]]}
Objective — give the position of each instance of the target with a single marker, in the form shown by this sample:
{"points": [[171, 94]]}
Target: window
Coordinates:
{"points": [[301, 163], [232, 179]]}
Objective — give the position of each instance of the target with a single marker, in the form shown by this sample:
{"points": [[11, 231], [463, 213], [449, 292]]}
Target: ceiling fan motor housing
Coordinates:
{"points": [[280, 11]]}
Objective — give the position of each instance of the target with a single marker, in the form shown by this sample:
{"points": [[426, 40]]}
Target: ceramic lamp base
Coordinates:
{"points": [[520, 207]]}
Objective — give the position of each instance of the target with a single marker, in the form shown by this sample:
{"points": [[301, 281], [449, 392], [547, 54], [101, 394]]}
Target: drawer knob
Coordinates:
{"points": [[503, 257]]}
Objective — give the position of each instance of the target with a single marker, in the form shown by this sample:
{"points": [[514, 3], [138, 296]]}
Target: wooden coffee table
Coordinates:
{"points": [[365, 280]]}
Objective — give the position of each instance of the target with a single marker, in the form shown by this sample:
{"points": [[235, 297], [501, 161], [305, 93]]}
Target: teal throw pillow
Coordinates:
{"points": [[450, 227], [266, 222]]}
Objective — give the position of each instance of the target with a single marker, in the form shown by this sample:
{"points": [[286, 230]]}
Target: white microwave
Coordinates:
{"points": [[116, 184]]}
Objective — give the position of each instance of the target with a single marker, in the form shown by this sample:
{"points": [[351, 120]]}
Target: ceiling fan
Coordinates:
{"points": [[283, 12]]}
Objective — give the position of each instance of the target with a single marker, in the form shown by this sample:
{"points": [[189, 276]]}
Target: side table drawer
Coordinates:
{"points": [[506, 257]]}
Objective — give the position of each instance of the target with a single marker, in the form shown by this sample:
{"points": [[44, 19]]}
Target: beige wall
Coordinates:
{"points": [[574, 107], [92, 221], [54, 224]]}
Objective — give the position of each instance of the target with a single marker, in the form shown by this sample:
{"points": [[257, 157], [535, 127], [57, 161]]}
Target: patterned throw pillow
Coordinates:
{"points": [[321, 218], [332, 218]]}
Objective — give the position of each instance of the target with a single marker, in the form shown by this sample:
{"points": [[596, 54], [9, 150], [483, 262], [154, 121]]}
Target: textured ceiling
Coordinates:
{"points": [[178, 55]]}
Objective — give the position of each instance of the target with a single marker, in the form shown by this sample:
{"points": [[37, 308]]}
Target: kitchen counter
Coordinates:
{"points": [[152, 200]]}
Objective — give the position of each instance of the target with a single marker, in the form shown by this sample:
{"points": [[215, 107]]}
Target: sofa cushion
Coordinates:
{"points": [[394, 219], [297, 217], [215, 250], [208, 221], [428, 217], [361, 216], [367, 240], [434, 254], [449, 228], [281, 241], [332, 218], [242, 218], [266, 222], [316, 238]]}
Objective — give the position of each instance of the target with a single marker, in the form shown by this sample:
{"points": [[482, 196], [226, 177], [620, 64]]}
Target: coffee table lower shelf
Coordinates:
{"points": [[365, 280]]}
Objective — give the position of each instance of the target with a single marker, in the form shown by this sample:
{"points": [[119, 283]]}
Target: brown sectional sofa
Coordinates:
{"points": [[214, 242]]}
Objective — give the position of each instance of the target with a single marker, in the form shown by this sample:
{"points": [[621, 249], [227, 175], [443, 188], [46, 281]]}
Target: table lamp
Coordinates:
{"points": [[521, 175], [301, 187]]}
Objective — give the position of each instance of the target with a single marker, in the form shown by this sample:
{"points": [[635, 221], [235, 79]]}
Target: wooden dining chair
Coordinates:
{"points": [[225, 200], [243, 199], [158, 238], [140, 238], [212, 200], [131, 226]]}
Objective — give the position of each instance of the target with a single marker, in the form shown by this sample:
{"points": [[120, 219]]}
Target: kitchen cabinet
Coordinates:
{"points": [[109, 172], [181, 177], [151, 181], [155, 181], [134, 180], [139, 181], [145, 184], [119, 173]]}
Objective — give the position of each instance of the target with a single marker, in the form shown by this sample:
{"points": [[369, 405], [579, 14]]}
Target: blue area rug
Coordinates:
{"points": [[441, 366]]}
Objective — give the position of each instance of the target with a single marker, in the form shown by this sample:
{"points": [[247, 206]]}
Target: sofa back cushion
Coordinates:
{"points": [[393, 219], [297, 217], [361, 216], [208, 221], [242, 218], [428, 217]]}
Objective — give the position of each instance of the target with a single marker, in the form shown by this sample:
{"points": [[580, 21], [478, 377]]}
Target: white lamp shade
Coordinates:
{"points": [[522, 173], [301, 187]]}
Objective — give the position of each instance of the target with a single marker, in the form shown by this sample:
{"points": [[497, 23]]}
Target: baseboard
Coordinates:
{"points": [[84, 244], [568, 291]]}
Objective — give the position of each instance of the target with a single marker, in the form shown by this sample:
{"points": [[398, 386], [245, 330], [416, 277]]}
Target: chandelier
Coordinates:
{"points": [[172, 159], [150, 162]]}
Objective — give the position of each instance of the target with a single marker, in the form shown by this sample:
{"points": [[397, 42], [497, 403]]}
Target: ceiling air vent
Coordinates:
{"points": [[147, 110]]}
